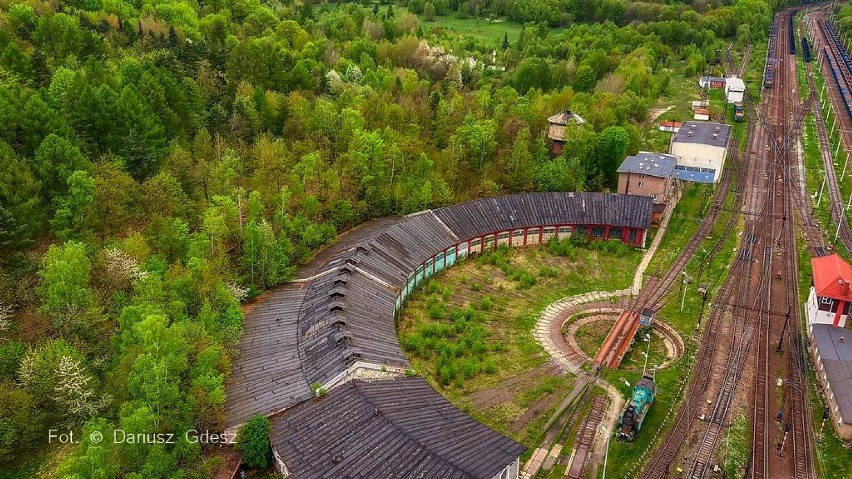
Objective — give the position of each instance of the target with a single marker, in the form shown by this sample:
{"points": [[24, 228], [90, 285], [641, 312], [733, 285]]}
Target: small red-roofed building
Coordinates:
{"points": [[830, 296]]}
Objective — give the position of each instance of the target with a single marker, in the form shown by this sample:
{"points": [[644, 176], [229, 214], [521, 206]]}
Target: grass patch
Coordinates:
{"points": [[591, 335], [482, 28], [693, 204], [634, 359], [736, 446], [445, 325], [625, 457]]}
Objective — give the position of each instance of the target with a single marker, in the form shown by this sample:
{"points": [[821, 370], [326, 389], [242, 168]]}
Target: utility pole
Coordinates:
{"points": [[647, 353], [778, 348], [683, 288], [702, 290], [606, 453]]}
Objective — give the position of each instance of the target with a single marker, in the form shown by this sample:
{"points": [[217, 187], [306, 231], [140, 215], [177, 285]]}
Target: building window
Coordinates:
{"points": [[639, 184], [825, 300]]}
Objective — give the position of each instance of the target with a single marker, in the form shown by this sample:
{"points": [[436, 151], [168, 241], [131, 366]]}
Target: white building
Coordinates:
{"points": [[830, 295], [734, 89], [827, 309], [700, 148]]}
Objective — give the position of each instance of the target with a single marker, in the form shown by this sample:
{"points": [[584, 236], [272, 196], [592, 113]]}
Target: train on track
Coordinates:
{"points": [[806, 50], [840, 66], [769, 69], [630, 421], [792, 31]]}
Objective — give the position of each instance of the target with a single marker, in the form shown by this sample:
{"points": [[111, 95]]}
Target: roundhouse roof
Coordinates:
{"points": [[342, 310], [388, 429]]}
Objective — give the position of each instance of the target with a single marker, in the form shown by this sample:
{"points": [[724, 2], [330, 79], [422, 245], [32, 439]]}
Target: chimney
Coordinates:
{"points": [[715, 136], [688, 133], [842, 339], [844, 288]]}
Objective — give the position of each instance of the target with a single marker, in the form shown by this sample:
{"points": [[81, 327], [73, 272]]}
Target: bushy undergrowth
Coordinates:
{"points": [[458, 347]]}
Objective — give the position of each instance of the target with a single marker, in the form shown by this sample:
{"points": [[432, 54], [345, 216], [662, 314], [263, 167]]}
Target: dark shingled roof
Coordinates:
{"points": [[836, 357], [267, 374], [398, 429], [343, 311], [475, 218], [702, 132]]}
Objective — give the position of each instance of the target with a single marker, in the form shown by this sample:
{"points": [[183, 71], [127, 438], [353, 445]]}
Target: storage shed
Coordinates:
{"points": [[701, 149], [734, 89], [711, 82]]}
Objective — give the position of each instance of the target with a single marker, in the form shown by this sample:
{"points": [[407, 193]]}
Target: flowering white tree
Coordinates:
{"points": [[5, 317], [121, 267], [353, 74], [73, 392], [238, 292]]}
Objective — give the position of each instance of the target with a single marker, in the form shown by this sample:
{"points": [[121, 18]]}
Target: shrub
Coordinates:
{"points": [[446, 373], [527, 281], [437, 310], [489, 367], [253, 442], [548, 272], [469, 367], [475, 287], [318, 390], [486, 303]]}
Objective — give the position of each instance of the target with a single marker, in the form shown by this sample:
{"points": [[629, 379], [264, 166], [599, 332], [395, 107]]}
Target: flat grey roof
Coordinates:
{"points": [[660, 165], [702, 132], [836, 357], [827, 338]]}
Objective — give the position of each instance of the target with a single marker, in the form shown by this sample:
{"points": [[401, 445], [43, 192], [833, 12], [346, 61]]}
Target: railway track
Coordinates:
{"points": [[833, 61], [584, 445], [768, 206]]}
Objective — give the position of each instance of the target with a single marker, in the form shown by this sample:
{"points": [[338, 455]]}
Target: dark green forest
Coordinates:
{"points": [[163, 161]]}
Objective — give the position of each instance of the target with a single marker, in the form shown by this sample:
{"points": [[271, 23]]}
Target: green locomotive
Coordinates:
{"points": [[637, 408]]}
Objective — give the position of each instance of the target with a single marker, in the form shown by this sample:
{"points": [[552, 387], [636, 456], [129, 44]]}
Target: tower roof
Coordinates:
{"points": [[832, 277], [563, 117]]}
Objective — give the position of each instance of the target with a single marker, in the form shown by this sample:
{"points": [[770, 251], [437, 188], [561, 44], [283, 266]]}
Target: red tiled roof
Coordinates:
{"points": [[676, 124], [832, 276]]}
